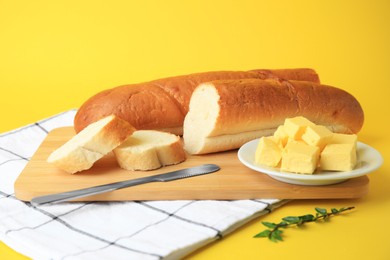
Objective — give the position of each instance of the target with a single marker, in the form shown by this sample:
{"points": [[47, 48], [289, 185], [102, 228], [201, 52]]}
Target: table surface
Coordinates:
{"points": [[54, 55]]}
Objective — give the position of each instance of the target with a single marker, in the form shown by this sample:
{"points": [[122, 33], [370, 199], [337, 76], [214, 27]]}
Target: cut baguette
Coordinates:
{"points": [[91, 144], [149, 150], [225, 114]]}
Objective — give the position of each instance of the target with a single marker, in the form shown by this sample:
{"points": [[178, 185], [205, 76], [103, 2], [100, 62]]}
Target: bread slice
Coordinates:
{"points": [[225, 114], [91, 144], [150, 149]]}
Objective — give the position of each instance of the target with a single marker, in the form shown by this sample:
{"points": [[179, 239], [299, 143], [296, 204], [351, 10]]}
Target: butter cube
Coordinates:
{"points": [[281, 136], [268, 153], [338, 157], [317, 135], [296, 126], [300, 157], [344, 139]]}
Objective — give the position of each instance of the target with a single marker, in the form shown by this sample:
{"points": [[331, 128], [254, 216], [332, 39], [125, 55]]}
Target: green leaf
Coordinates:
{"points": [[283, 224], [268, 224], [291, 219], [321, 211], [276, 235], [334, 211], [344, 209], [279, 232], [264, 233], [307, 218]]}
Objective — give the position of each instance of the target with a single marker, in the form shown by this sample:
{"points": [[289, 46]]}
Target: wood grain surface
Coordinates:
{"points": [[233, 181]]}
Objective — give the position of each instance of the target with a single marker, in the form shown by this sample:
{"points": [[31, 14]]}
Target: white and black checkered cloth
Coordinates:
{"points": [[107, 230]]}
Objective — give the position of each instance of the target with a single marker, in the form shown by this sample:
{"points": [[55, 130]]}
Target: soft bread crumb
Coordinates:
{"points": [[149, 150]]}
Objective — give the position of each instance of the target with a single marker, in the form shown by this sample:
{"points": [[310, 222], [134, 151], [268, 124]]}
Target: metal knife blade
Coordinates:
{"points": [[170, 176]]}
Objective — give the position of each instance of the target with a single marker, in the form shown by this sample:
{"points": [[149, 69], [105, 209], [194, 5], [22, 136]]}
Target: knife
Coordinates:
{"points": [[170, 176]]}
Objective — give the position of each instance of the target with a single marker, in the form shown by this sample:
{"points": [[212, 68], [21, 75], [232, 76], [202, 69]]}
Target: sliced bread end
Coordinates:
{"points": [[91, 144]]}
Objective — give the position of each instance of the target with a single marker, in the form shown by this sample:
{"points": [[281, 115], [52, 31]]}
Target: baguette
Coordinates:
{"points": [[149, 149], [162, 104], [225, 114], [91, 144]]}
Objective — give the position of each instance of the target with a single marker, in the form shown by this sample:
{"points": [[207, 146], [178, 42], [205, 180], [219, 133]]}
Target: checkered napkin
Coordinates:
{"points": [[107, 230]]}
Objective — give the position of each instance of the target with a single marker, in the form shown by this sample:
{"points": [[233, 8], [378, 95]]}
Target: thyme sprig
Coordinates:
{"points": [[274, 232]]}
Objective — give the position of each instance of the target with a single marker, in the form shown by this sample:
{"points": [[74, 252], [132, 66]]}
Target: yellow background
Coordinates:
{"points": [[56, 54]]}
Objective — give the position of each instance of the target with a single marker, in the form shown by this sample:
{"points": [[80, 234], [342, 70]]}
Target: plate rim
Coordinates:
{"points": [[307, 178]]}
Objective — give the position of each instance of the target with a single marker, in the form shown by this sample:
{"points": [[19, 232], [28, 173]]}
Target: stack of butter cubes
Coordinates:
{"points": [[300, 146]]}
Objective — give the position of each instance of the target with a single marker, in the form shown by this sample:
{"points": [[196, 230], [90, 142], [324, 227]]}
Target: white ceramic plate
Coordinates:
{"points": [[369, 160]]}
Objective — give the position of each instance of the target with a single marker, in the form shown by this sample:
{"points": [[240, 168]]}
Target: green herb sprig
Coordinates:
{"points": [[274, 232]]}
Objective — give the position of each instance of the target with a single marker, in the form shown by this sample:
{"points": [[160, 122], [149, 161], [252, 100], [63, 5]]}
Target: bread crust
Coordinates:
{"points": [[162, 104], [250, 108], [269, 102]]}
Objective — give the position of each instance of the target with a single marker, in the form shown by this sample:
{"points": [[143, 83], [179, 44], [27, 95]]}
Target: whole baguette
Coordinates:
{"points": [[225, 114], [162, 104]]}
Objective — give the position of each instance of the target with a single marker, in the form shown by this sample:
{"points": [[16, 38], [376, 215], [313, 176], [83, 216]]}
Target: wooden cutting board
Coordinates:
{"points": [[233, 181]]}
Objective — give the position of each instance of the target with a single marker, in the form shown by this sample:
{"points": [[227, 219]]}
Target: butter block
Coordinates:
{"points": [[300, 157], [338, 157], [268, 152], [281, 136], [344, 139], [296, 126], [317, 135]]}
